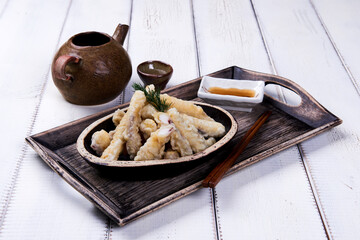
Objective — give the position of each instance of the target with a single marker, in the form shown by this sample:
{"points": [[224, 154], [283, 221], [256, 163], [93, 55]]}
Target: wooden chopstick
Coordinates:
{"points": [[219, 171]]}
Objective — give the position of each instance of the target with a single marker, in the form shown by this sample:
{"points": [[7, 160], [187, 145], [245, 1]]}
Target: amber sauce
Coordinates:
{"points": [[232, 91]]}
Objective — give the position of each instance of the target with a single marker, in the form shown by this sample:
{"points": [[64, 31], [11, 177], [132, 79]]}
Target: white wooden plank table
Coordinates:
{"points": [[309, 191]]}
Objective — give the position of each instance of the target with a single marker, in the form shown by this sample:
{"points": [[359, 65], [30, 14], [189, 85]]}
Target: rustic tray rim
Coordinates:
{"points": [[87, 192]]}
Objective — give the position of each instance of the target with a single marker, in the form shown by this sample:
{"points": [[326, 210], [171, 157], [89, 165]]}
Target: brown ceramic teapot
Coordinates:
{"points": [[92, 68]]}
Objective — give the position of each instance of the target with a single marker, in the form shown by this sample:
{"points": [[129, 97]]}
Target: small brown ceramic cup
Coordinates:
{"points": [[155, 72]]}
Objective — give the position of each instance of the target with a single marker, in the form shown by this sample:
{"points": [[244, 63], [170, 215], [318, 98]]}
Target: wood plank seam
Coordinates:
{"points": [[108, 229], [25, 147], [306, 168], [215, 211], [123, 93], [4, 8], [342, 60], [212, 191], [279, 90], [121, 100], [316, 196], [9, 194], [195, 39]]}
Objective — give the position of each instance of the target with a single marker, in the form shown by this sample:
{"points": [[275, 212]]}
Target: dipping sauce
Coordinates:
{"points": [[232, 91]]}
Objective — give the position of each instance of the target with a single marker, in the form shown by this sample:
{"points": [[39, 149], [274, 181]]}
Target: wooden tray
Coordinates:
{"points": [[127, 195]]}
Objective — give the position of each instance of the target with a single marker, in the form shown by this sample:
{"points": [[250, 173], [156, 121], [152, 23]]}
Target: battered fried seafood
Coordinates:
{"points": [[153, 97], [154, 147], [171, 154], [118, 115], [186, 107], [207, 128], [210, 141], [162, 118], [147, 127], [157, 126], [177, 140], [116, 146], [127, 131], [179, 143], [100, 140], [148, 111], [188, 130]]}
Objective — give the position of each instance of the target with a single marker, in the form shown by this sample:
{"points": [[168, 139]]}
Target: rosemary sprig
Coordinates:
{"points": [[153, 97]]}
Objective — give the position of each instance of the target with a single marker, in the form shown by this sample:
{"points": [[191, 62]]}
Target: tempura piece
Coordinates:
{"points": [[100, 140], [182, 130], [147, 127], [117, 143], [171, 154], [150, 87], [210, 141], [186, 107], [131, 134], [207, 128], [127, 131], [188, 130], [118, 115], [155, 145], [162, 118], [148, 111], [178, 142], [111, 134]]}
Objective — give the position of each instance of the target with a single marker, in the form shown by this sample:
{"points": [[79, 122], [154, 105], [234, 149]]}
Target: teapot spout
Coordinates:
{"points": [[120, 33]]}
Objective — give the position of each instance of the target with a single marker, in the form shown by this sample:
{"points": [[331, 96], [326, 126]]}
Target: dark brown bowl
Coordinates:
{"points": [[217, 113], [155, 72]]}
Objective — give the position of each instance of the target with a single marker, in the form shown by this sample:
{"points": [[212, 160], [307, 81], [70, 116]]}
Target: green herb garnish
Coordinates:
{"points": [[153, 97]]}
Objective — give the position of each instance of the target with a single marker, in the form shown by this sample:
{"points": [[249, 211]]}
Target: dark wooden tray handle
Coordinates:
{"points": [[309, 110]]}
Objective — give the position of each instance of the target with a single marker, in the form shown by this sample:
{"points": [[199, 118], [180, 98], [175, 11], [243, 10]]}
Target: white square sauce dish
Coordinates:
{"points": [[230, 93]]}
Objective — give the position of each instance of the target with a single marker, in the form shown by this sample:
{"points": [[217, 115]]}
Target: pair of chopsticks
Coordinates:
{"points": [[219, 171]]}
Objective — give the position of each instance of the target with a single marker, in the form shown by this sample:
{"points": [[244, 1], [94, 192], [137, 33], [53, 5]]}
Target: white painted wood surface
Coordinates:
{"points": [[306, 192], [24, 70], [163, 30], [341, 20], [333, 157], [278, 184], [42, 205]]}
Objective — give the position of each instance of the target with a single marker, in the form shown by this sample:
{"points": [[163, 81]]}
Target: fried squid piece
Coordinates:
{"points": [[188, 130], [150, 87], [178, 142], [148, 111], [127, 131], [147, 127], [131, 134], [210, 141], [118, 115], [155, 145], [100, 140], [186, 107], [162, 118], [171, 154], [207, 128], [116, 146]]}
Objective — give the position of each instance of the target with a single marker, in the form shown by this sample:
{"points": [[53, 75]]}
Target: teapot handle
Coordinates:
{"points": [[60, 64]]}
